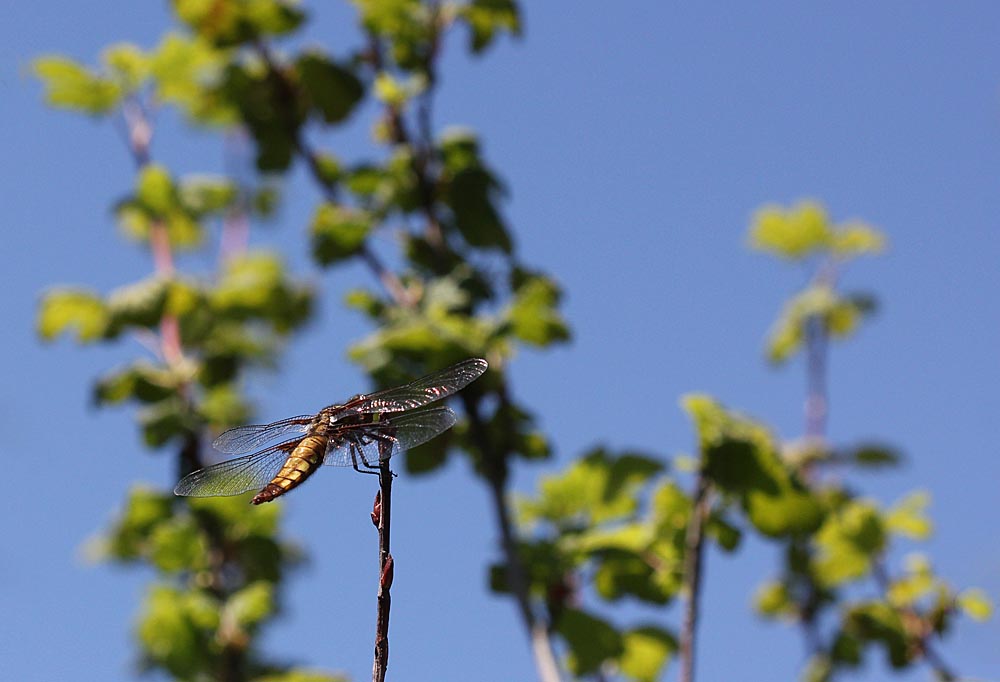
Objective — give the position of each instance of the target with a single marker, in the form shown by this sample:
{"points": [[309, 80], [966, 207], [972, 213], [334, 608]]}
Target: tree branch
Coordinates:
{"points": [[495, 469], [693, 551]]}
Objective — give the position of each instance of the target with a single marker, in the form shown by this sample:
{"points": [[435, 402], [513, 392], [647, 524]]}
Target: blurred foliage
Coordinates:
{"points": [[612, 527]]}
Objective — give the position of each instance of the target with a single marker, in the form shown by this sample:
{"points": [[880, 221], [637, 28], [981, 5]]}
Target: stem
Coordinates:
{"points": [[383, 509], [494, 466], [139, 134], [693, 551], [817, 404]]}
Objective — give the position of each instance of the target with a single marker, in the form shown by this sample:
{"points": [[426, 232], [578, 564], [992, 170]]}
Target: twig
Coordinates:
{"points": [[381, 516], [390, 281], [138, 135], [495, 469], [693, 550]]}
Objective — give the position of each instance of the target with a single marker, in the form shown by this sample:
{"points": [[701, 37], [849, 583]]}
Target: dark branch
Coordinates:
{"points": [[693, 550]]}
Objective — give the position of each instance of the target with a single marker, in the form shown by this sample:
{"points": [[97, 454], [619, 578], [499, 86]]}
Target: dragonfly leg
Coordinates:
{"points": [[355, 453]]}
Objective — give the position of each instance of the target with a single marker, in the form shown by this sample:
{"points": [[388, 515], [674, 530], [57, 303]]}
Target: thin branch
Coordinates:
{"points": [[382, 513], [495, 469], [390, 281], [693, 555]]}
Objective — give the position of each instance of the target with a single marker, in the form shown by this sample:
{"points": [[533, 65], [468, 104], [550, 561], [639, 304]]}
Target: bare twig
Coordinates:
{"points": [[382, 514], [693, 551]]}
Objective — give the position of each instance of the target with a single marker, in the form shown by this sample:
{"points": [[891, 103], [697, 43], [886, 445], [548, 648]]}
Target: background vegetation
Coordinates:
{"points": [[603, 562]]}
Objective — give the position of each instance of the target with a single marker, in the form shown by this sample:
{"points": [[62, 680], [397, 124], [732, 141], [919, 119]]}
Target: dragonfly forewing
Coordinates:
{"points": [[423, 391]]}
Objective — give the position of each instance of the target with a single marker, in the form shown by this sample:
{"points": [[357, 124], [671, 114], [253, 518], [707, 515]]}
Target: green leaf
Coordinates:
{"points": [[772, 600], [250, 605], [255, 286], [908, 517], [64, 310], [879, 622], [647, 650], [226, 23], [141, 304], [177, 629], [127, 64], [819, 304], [328, 167], [225, 406], [848, 542], [186, 72], [333, 90], [471, 191], [406, 25], [142, 380], [624, 573], [166, 421], [976, 604], [301, 675], [145, 509], [857, 239], [206, 195], [596, 488], [872, 456], [487, 18], [178, 545], [338, 232], [591, 641], [68, 85], [740, 457], [155, 189], [794, 233], [533, 314], [271, 114]]}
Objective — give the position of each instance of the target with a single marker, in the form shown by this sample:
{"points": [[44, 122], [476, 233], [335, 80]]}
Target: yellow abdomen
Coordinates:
{"points": [[306, 458]]}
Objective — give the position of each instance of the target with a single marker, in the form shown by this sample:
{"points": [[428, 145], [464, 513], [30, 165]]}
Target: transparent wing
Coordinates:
{"points": [[372, 443], [421, 392], [252, 436], [236, 476]]}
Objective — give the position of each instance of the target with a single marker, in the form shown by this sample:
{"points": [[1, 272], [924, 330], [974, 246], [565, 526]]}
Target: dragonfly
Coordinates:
{"points": [[362, 433]]}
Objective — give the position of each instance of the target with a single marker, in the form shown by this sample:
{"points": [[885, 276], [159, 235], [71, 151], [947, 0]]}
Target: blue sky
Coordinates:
{"points": [[636, 140]]}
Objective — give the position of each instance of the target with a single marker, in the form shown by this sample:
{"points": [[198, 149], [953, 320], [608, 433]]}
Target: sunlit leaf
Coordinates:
{"points": [[908, 517], [65, 310], [69, 85], [338, 232], [976, 604], [856, 238], [791, 233], [647, 650]]}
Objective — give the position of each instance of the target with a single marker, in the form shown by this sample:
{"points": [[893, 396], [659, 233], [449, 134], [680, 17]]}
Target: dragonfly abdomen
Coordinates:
{"points": [[301, 463]]}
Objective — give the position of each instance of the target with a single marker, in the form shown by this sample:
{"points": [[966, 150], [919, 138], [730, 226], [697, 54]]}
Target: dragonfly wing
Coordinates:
{"points": [[372, 443], [252, 436], [423, 391], [236, 476]]}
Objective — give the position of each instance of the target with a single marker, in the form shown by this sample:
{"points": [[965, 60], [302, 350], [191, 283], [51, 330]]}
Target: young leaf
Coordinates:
{"points": [[68, 309]]}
